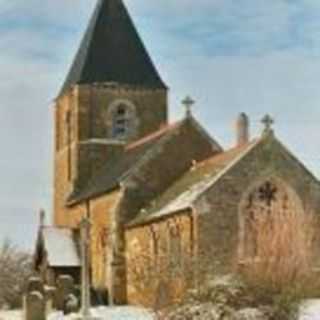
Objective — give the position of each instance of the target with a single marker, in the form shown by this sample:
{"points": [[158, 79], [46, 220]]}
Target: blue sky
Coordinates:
{"points": [[257, 56]]}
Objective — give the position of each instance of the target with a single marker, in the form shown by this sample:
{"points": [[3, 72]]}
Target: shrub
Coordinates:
{"points": [[15, 269], [281, 272]]}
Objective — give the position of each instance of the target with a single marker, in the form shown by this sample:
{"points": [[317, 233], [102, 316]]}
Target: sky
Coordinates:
{"points": [[231, 56]]}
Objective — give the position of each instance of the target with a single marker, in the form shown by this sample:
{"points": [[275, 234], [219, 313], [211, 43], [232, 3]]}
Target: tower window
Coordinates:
{"points": [[122, 122], [121, 110]]}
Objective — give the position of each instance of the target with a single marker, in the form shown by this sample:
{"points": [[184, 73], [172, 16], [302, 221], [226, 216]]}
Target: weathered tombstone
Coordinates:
{"points": [[71, 304], [65, 287], [35, 284], [34, 306], [50, 294]]}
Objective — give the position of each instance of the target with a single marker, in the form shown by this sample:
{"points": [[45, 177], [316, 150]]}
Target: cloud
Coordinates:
{"points": [[236, 27]]}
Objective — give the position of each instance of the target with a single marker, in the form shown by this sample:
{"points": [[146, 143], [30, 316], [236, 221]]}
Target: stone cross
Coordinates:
{"points": [[188, 102], [85, 282], [268, 121]]}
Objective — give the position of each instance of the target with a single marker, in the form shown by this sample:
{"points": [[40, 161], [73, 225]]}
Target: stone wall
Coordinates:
{"points": [[102, 212], [218, 208], [158, 270], [215, 224], [163, 166], [82, 130], [64, 154], [95, 100]]}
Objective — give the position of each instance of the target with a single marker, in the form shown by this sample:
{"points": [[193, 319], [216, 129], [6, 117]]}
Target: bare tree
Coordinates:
{"points": [[15, 269]]}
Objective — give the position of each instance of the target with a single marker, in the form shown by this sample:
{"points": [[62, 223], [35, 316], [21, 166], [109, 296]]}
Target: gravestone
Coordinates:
{"points": [[65, 287], [34, 306], [71, 304], [35, 284], [50, 298]]}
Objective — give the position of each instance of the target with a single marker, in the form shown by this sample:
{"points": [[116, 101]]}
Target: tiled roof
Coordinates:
{"points": [[60, 245], [112, 51], [116, 169], [186, 190]]}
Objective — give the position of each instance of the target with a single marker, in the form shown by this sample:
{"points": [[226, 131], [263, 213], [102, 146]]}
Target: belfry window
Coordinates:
{"points": [[121, 123]]}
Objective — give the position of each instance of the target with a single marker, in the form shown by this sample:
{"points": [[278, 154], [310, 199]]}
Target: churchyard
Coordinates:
{"points": [[310, 310], [271, 289], [155, 218]]}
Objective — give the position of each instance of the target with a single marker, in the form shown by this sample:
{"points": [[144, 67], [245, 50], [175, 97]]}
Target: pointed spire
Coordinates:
{"points": [[112, 51]]}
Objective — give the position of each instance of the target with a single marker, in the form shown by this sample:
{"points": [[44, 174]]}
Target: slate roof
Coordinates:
{"points": [[60, 245], [192, 184], [116, 169], [112, 51]]}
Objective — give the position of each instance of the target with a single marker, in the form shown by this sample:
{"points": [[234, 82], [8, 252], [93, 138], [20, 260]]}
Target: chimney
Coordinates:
{"points": [[242, 129]]}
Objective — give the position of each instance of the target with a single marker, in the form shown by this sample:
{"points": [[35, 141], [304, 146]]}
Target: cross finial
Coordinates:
{"points": [[188, 102], [267, 121]]}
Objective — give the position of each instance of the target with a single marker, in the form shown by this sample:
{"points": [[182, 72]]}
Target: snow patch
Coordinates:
{"points": [[114, 313], [310, 310], [11, 315]]}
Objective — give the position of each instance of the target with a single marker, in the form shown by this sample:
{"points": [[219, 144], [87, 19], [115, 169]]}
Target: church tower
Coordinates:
{"points": [[112, 95]]}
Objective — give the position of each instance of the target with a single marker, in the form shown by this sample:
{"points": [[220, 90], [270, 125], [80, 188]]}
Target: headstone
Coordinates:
{"points": [[65, 287], [71, 304], [35, 284], [50, 294], [34, 306]]}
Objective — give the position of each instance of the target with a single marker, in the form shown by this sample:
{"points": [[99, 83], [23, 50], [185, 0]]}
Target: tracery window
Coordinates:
{"points": [[262, 210]]}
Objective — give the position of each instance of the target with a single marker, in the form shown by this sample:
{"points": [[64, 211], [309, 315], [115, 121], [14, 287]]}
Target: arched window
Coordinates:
{"points": [[269, 211], [122, 120]]}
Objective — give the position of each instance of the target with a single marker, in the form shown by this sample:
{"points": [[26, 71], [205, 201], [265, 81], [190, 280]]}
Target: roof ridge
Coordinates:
{"points": [[224, 153], [202, 185], [152, 135]]}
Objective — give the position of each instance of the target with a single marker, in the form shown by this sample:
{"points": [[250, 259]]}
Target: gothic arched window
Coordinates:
{"points": [[265, 210]]}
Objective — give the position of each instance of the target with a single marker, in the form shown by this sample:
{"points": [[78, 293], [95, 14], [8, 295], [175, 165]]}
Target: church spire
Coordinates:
{"points": [[112, 51]]}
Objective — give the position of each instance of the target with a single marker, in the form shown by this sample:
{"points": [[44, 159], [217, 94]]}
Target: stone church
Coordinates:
{"points": [[154, 191]]}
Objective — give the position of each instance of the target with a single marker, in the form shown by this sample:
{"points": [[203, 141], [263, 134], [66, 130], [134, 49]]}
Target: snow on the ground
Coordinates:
{"points": [[310, 310], [114, 313], [10, 315], [103, 313]]}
